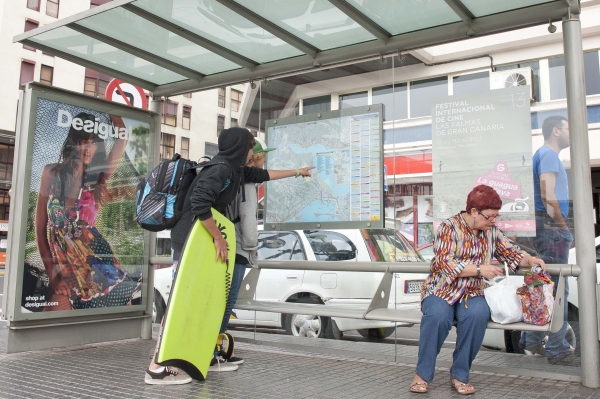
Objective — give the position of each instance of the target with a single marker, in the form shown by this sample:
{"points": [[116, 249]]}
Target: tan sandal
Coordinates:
{"points": [[461, 387], [418, 387]]}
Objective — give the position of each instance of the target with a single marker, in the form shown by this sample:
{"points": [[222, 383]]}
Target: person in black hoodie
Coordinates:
{"points": [[216, 186]]}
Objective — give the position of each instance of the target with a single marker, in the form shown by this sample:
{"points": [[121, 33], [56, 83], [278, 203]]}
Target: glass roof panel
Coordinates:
{"points": [[69, 41], [129, 28], [220, 25], [406, 16], [480, 8], [317, 22]]}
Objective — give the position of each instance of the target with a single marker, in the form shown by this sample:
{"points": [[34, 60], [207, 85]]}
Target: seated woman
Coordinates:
{"points": [[464, 248]]}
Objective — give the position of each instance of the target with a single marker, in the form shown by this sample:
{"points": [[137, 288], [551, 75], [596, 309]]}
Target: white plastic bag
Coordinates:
{"points": [[505, 304]]}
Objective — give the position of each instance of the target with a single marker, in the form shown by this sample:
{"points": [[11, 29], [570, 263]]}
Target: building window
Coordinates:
{"points": [[352, 100], [34, 4], [6, 162], [221, 97], [535, 75], [167, 146], [4, 204], [234, 122], [422, 94], [220, 123], [96, 3], [210, 149], [169, 113], [186, 117], [254, 132], [30, 25], [52, 8], [95, 83], [236, 100], [394, 100], [27, 71], [471, 83], [187, 95], [185, 147], [46, 75], [558, 85], [316, 105]]}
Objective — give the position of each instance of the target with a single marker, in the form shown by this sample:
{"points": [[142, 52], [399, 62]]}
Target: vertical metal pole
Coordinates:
{"points": [[582, 202], [155, 106]]}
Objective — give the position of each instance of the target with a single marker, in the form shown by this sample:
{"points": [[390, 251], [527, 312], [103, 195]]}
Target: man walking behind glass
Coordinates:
{"points": [[553, 238]]}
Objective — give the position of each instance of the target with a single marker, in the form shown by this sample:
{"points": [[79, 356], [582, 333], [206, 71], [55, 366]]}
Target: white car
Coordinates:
{"points": [[341, 288], [509, 339]]}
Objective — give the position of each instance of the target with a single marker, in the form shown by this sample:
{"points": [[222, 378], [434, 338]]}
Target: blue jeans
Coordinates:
{"points": [[239, 270], [436, 323], [552, 244]]}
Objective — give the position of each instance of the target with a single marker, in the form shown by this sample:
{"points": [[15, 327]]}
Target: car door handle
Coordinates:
{"points": [[292, 277]]}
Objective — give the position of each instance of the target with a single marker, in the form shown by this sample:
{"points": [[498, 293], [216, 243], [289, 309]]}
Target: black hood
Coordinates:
{"points": [[234, 144]]}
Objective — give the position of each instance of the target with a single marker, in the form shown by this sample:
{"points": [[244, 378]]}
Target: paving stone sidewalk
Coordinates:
{"points": [[116, 370]]}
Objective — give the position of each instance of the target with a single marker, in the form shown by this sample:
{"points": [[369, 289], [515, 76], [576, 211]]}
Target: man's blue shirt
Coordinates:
{"points": [[546, 160]]}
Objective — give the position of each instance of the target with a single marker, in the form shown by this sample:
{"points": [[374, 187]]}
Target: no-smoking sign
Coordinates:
{"points": [[126, 93]]}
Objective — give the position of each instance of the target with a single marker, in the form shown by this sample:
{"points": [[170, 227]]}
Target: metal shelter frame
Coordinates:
{"points": [[465, 23]]}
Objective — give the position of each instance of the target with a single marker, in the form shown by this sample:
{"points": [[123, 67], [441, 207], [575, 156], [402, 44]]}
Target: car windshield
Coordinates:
{"points": [[386, 245]]}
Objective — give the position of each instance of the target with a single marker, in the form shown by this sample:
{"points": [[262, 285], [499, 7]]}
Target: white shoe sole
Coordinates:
{"points": [[163, 382], [225, 367]]}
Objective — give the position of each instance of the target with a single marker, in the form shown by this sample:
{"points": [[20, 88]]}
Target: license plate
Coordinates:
{"points": [[412, 287]]}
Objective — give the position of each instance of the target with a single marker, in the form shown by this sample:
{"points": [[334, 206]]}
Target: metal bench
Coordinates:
{"points": [[379, 308]]}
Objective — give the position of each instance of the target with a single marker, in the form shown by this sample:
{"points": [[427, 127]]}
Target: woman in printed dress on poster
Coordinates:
{"points": [[81, 267]]}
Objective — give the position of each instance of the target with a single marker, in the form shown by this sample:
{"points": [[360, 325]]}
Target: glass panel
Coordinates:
{"points": [[406, 16], [136, 31], [535, 69], [422, 94], [46, 74], [392, 246], [219, 24], [316, 22], [558, 87], [394, 100], [471, 83], [220, 123], [316, 105], [67, 40], [34, 4], [351, 100], [480, 8]]}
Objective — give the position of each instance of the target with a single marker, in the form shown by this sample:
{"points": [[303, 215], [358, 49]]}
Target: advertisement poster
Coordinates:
{"points": [[485, 138], [83, 247]]}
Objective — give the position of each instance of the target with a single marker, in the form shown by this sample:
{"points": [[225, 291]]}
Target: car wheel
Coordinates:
{"points": [[306, 325], [158, 308], [511, 341], [374, 334]]}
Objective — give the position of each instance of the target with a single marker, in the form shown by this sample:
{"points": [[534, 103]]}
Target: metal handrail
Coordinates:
{"points": [[362, 266]]}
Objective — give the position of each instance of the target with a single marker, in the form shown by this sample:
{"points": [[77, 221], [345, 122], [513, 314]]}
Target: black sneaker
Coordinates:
{"points": [[168, 376], [567, 359], [219, 364], [235, 360]]}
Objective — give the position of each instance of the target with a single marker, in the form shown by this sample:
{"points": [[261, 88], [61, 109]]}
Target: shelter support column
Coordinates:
{"points": [[155, 106], [582, 201]]}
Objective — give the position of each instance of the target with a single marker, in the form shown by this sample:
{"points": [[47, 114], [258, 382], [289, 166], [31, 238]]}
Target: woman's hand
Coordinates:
{"points": [[532, 262], [491, 271], [304, 172], [221, 247]]}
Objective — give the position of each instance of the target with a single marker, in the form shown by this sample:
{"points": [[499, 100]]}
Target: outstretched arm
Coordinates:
{"points": [[118, 149], [282, 174]]}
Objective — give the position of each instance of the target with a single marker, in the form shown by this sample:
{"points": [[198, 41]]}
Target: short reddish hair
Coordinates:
{"points": [[483, 197]]}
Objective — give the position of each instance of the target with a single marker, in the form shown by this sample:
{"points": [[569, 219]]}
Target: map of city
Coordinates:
{"points": [[346, 183]]}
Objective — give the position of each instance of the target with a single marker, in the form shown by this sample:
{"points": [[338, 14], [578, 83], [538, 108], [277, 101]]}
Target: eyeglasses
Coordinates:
{"points": [[491, 218]]}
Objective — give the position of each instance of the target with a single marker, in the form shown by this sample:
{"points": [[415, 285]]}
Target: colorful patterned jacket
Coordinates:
{"points": [[456, 246]]}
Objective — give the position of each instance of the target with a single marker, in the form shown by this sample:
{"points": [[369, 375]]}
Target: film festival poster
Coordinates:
{"points": [[83, 246], [485, 138]]}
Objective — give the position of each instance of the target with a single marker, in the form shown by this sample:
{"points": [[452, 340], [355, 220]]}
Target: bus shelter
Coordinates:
{"points": [[172, 47]]}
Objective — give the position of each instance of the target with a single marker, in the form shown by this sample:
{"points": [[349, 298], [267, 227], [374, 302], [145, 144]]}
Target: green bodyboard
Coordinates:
{"points": [[197, 301]]}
